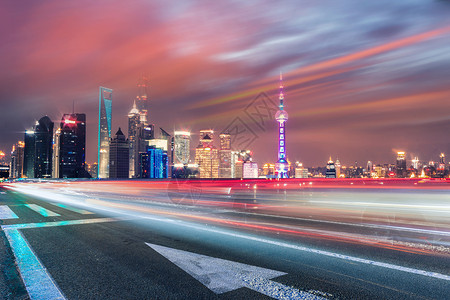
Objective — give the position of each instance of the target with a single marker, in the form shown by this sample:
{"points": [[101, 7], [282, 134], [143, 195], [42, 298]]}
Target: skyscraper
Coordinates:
{"points": [[118, 156], [133, 122], [331, 169], [72, 146], [181, 149], [207, 156], [281, 166], [17, 159], [400, 169], [154, 163], [225, 155], [104, 131], [144, 133], [56, 149], [44, 148], [142, 99], [29, 153]]}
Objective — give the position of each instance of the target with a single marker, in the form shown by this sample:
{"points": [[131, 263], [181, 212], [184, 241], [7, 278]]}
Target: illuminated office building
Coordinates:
{"points": [[300, 171], [181, 149], [400, 169], [207, 156], [72, 146], [118, 156], [17, 159], [56, 146], [331, 169], [29, 153], [282, 165], [44, 148], [225, 156], [154, 163], [104, 131], [142, 100], [144, 133], [133, 122]]}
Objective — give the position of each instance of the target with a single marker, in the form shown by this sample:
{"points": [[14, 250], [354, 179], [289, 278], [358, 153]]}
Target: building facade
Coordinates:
{"points": [[119, 156], [133, 123], [104, 131], [72, 146], [225, 156], [17, 160], [44, 148], [207, 156]]}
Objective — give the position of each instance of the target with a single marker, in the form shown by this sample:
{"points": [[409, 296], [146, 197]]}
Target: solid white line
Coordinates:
{"points": [[43, 211], [7, 213], [330, 254], [312, 250]]}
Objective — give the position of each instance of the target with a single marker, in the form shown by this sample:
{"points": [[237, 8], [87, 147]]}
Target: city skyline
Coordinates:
{"points": [[381, 85]]}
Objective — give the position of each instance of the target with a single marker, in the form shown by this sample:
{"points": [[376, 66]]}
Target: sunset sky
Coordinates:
{"points": [[362, 78]]}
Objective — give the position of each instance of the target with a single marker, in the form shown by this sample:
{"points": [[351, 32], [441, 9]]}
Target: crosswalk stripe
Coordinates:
{"points": [[43, 211], [7, 213], [74, 209]]}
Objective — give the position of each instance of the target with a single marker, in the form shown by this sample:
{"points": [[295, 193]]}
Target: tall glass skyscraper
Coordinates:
{"points": [[181, 147], [104, 131], [29, 154], [44, 148], [72, 146], [133, 122]]}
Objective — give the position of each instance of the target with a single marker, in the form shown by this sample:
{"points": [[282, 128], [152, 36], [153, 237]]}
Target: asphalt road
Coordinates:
{"points": [[100, 248]]}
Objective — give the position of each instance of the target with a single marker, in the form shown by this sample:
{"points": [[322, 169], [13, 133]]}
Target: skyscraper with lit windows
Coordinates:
{"points": [[207, 156], [225, 155], [181, 147], [282, 165], [44, 148], [133, 122], [72, 146], [104, 131]]}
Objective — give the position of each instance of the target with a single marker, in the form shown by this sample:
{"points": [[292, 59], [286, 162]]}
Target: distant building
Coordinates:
{"points": [[17, 159], [142, 100], [400, 169], [56, 148], [331, 169], [133, 122], [225, 155], [92, 169], [181, 147], [154, 163], [269, 170], [44, 148], [144, 133], [29, 153], [118, 156], [300, 171], [72, 146], [104, 131], [250, 170], [207, 156]]}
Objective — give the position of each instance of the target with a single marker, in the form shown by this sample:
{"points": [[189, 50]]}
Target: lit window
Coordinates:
{"points": [[281, 143], [281, 130], [281, 136], [282, 149]]}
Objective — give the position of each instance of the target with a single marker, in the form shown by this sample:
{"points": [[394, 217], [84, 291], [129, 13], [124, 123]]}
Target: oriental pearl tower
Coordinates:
{"points": [[281, 166]]}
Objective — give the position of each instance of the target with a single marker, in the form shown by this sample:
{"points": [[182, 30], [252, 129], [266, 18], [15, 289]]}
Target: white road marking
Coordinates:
{"points": [[37, 280], [328, 253], [221, 276], [43, 211], [7, 213], [74, 209]]}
